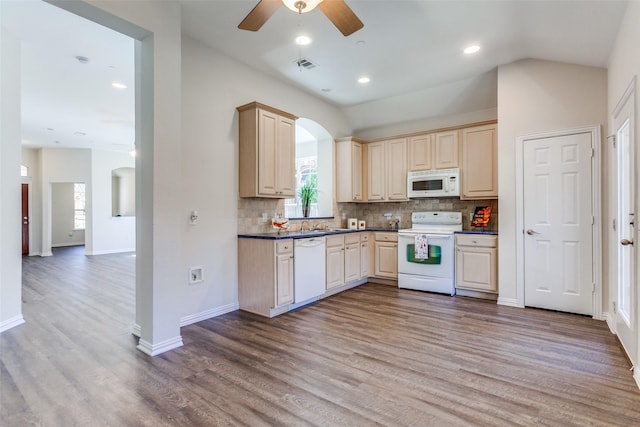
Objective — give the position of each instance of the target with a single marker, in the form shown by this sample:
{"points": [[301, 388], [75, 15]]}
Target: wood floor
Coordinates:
{"points": [[374, 355]]}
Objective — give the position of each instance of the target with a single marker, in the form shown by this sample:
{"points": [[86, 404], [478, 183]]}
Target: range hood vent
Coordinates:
{"points": [[305, 63]]}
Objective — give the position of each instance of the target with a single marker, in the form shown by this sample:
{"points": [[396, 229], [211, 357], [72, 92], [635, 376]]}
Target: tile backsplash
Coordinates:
{"points": [[250, 213]]}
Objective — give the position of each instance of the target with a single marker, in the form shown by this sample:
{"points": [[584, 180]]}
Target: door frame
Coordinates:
{"points": [[596, 196], [27, 180]]}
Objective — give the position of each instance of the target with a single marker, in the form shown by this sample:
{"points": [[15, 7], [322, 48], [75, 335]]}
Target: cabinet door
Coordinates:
{"points": [[351, 262], [285, 159], [284, 279], [445, 150], [335, 266], [365, 254], [267, 149], [376, 171], [479, 163], [397, 169], [386, 259], [476, 268], [356, 171], [420, 153]]}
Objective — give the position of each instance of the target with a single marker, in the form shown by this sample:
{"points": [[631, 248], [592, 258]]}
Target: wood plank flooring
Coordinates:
{"points": [[374, 355]]}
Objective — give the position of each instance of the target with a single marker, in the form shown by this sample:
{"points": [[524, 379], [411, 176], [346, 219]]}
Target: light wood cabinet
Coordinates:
{"points": [[267, 152], [365, 255], [351, 257], [376, 171], [343, 259], [335, 261], [397, 169], [420, 153], [477, 262], [265, 275], [479, 170], [349, 172], [445, 150], [387, 170], [386, 255]]}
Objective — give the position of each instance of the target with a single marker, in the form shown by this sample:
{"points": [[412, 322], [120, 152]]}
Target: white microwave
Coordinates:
{"points": [[434, 183]]}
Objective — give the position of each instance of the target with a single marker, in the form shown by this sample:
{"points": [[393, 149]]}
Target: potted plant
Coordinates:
{"points": [[308, 194]]}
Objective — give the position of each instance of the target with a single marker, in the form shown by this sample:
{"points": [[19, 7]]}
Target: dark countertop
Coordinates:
{"points": [[306, 234], [491, 233]]}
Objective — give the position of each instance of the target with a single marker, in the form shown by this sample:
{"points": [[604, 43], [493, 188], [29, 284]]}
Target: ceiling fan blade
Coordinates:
{"points": [[341, 15], [259, 15]]}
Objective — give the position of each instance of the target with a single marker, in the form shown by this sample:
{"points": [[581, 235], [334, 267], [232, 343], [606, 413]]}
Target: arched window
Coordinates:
{"points": [[314, 154]]}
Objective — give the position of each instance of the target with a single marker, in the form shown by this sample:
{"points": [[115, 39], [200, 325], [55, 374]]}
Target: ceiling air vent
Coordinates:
{"points": [[305, 63]]}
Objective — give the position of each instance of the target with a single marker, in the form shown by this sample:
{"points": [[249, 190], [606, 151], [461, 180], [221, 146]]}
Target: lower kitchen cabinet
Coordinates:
{"points": [[265, 275], [335, 261], [351, 257], [386, 255], [365, 255], [477, 263]]}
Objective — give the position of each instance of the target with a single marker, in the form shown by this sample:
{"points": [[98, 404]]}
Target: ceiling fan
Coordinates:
{"points": [[336, 10]]}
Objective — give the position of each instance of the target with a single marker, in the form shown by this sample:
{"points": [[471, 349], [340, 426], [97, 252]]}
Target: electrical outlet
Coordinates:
{"points": [[265, 217], [196, 275]]}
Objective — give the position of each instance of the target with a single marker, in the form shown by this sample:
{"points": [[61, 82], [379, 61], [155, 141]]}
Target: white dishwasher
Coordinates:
{"points": [[309, 269]]}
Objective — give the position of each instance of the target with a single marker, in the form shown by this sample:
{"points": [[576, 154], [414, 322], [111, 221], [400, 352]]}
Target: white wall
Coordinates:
{"points": [[62, 216], [109, 234], [213, 85], [534, 97], [10, 193], [624, 64]]}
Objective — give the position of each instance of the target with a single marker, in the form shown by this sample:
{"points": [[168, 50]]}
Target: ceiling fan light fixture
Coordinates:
{"points": [[301, 6]]}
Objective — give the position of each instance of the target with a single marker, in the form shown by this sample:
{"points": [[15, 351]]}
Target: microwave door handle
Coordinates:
{"points": [[445, 185]]}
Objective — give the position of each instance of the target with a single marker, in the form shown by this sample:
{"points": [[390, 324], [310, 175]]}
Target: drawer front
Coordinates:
{"points": [[335, 240], [476, 240], [364, 237], [284, 246], [351, 238], [386, 237]]}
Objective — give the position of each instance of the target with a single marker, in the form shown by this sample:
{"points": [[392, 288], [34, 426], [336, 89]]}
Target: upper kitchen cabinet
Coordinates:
{"points": [[387, 170], [267, 152], [420, 153], [479, 163], [349, 186], [445, 150]]}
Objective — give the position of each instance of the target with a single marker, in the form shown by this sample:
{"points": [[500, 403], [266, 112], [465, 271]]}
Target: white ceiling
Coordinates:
{"points": [[411, 50]]}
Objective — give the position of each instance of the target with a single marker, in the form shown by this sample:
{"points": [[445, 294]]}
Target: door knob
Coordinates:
{"points": [[531, 232], [626, 242]]}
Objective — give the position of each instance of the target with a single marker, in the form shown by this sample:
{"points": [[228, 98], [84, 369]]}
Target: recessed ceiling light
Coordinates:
{"points": [[471, 49], [119, 85], [303, 40], [364, 80], [326, 89], [82, 59]]}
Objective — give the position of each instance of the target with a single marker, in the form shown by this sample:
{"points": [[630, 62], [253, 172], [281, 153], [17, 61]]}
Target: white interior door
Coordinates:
{"points": [[625, 297], [558, 223]]}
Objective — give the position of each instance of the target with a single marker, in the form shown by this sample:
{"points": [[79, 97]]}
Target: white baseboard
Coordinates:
{"points": [[161, 347], [636, 375], [64, 245], [611, 322], [35, 254], [511, 302], [208, 314], [11, 323], [137, 330], [48, 253], [111, 251]]}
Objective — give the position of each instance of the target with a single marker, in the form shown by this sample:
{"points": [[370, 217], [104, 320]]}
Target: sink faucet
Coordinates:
{"points": [[317, 226]]}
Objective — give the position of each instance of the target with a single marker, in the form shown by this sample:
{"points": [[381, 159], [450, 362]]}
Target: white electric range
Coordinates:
{"points": [[430, 267]]}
